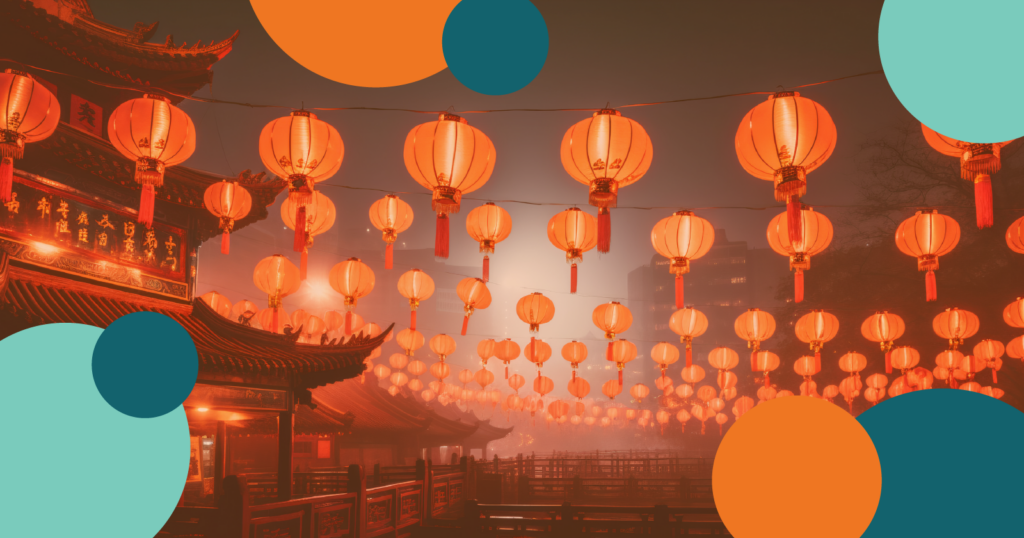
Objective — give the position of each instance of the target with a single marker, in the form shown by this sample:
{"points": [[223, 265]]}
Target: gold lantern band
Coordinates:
{"points": [[487, 246], [680, 266], [799, 262], [445, 200], [790, 181], [928, 263], [149, 171], [12, 144], [979, 159], [604, 193]]}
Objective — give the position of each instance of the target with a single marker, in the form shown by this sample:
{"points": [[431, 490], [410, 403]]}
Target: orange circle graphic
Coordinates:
{"points": [[797, 467], [375, 44]]}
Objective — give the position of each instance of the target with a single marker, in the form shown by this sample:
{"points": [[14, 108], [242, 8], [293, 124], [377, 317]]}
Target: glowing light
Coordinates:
{"points": [[44, 248], [202, 409]]}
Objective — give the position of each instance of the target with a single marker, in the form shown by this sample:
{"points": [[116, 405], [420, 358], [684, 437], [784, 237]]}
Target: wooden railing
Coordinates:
{"points": [[568, 520], [598, 466], [681, 490]]}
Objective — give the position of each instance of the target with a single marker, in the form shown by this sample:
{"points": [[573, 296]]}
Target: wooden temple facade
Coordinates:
{"points": [[72, 251]]}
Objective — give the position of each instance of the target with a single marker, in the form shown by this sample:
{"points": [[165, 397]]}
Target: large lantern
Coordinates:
{"points": [[410, 340], [278, 278], [754, 326], [506, 351], [485, 349], [537, 352], [575, 232], [926, 236], [806, 367], [155, 134], [488, 225], [474, 294], [612, 318], [28, 113], [782, 140], [1013, 314], [483, 377], [977, 164], [605, 152], [228, 201], [681, 238], [904, 358], [319, 216], [620, 352], [416, 286], [451, 159], [688, 323], [543, 385], [883, 328], [574, 352], [353, 279], [579, 388], [665, 354], [991, 352], [765, 362], [442, 345], [304, 151], [814, 237], [391, 216], [723, 359], [692, 374], [639, 392], [816, 328], [535, 309], [954, 325]]}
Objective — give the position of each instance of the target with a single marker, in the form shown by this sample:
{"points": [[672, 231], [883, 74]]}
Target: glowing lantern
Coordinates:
{"points": [[442, 345], [664, 354], [766, 362], [955, 325], [410, 340], [415, 385], [742, 406], [399, 379], [621, 352], [278, 278], [727, 382], [579, 387], [465, 376], [228, 202], [537, 352], [483, 377], [416, 286], [1015, 348], [474, 294], [972, 387], [919, 378], [684, 391], [217, 302], [683, 416], [702, 414], [681, 238], [488, 225], [815, 235], [352, 279], [1015, 236], [485, 349], [782, 140], [451, 159], [440, 370], [853, 363], [391, 216], [723, 359], [543, 385], [905, 358], [416, 367], [575, 232], [516, 382], [612, 318], [721, 419], [1013, 314], [688, 323], [664, 384], [535, 309], [381, 371], [816, 328], [428, 395], [506, 351], [884, 328], [611, 389], [29, 113], [399, 361], [319, 215], [850, 388], [639, 392], [663, 417], [605, 152], [243, 311], [926, 236], [152, 132], [313, 329], [692, 374], [766, 393], [266, 319], [990, 351], [977, 163], [754, 326], [574, 352]]}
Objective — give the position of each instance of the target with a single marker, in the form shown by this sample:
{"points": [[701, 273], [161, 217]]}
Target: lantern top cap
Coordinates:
{"points": [[19, 73], [753, 310], [304, 113], [448, 116], [155, 97], [489, 203], [684, 212], [354, 259], [783, 94]]}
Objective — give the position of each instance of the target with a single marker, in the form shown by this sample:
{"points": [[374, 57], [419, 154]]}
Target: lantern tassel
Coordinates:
{"points": [[620, 378], [506, 374], [983, 200], [753, 361], [6, 178], [850, 401], [817, 361], [793, 219], [604, 229], [931, 293], [441, 237], [225, 243], [412, 321], [487, 269], [146, 205], [766, 382], [389, 256], [719, 430], [888, 362], [679, 291], [348, 323], [299, 243], [689, 355], [273, 321], [302, 264], [572, 279], [465, 325], [798, 286], [995, 378]]}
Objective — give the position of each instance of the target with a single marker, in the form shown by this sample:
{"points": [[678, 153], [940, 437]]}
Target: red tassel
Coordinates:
{"points": [[572, 279], [273, 321], [888, 362], [753, 361], [604, 230], [983, 200], [766, 382], [6, 178], [299, 243], [719, 430], [817, 361], [348, 323], [574, 374], [793, 221], [679, 291], [225, 243], [850, 401], [689, 356], [798, 286], [412, 322], [441, 237], [931, 293], [302, 265], [146, 205], [465, 325], [995, 378], [389, 256], [506, 373], [608, 354], [620, 378], [487, 269]]}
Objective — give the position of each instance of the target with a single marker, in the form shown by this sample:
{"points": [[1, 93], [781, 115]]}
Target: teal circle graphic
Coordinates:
{"points": [[495, 47], [145, 364], [951, 465], [953, 65], [71, 464]]}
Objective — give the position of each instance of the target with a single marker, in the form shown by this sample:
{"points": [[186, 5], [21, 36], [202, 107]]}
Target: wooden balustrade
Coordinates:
{"points": [[630, 490]]}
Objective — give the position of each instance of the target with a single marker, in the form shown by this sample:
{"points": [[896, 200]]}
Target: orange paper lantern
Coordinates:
{"points": [[681, 238], [29, 113], [410, 340], [535, 309], [814, 237], [639, 392], [620, 352], [754, 326], [537, 352], [353, 279], [977, 164], [319, 215], [391, 216], [228, 201], [764, 361], [278, 278], [955, 325], [474, 294], [883, 327], [926, 236], [488, 225], [574, 352], [442, 345], [816, 328], [688, 323], [416, 286], [485, 349], [575, 232], [664, 354], [506, 351], [218, 303]]}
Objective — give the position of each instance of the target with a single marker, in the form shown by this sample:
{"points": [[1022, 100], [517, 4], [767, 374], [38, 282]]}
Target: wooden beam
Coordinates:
{"points": [[285, 436]]}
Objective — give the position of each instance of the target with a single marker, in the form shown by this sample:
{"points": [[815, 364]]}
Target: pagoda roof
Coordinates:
{"points": [[225, 347], [125, 55], [485, 431]]}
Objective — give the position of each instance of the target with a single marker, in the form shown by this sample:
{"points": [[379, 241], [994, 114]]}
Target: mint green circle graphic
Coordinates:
{"points": [[953, 65], [71, 464]]}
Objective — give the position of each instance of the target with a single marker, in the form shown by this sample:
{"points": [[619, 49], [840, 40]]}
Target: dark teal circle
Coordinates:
{"points": [[951, 465], [495, 47], [145, 364]]}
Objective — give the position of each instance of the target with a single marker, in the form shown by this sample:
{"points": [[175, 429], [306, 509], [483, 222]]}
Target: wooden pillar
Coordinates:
{"points": [[357, 485], [220, 460], [285, 435]]}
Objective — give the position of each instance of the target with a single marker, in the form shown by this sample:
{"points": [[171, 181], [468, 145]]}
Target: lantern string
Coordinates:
{"points": [[146, 89]]}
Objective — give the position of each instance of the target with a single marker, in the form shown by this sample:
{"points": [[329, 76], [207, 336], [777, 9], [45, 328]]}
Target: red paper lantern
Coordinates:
{"points": [[416, 286], [474, 294], [391, 216], [814, 237], [28, 113], [688, 323], [319, 216], [883, 328], [353, 279], [229, 202], [926, 236], [816, 328], [575, 232], [977, 164], [488, 225], [278, 278], [681, 238]]}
